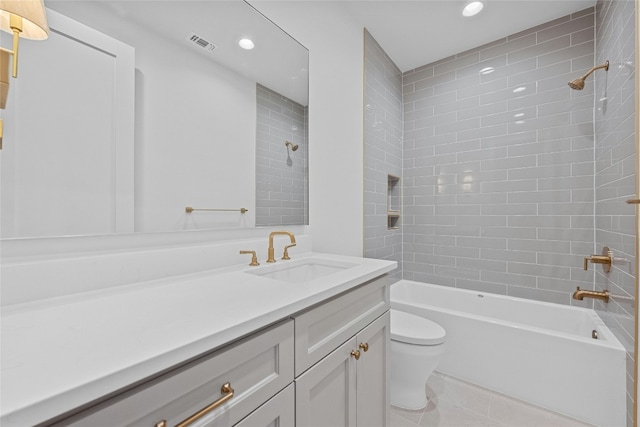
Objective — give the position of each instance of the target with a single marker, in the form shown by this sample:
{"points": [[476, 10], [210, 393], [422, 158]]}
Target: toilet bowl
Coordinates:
{"points": [[417, 345]]}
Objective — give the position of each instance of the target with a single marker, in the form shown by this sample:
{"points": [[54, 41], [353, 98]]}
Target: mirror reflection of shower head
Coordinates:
{"points": [[293, 146], [578, 84]]}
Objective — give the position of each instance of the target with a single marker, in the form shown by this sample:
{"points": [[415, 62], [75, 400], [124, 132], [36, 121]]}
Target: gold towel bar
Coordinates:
{"points": [[189, 209]]}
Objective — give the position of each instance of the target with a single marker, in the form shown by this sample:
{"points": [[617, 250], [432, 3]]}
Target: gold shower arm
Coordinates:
{"points": [[605, 66], [578, 84]]}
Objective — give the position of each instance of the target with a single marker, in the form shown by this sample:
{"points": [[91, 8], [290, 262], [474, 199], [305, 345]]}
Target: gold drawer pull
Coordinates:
{"points": [[356, 354], [364, 346], [633, 202], [226, 390]]}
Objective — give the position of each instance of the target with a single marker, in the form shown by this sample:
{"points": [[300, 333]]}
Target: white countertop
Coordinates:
{"points": [[64, 352]]}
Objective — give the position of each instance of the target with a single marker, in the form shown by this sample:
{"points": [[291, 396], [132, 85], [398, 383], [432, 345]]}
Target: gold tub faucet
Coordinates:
{"points": [[292, 238], [579, 294]]}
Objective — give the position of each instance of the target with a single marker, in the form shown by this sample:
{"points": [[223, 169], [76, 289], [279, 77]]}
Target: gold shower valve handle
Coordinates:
{"points": [[606, 259]]}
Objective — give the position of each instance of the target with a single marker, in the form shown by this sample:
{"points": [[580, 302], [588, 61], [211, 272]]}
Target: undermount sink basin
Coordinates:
{"points": [[300, 271]]}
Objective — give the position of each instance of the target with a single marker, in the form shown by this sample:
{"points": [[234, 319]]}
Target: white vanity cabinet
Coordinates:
{"points": [[348, 386], [326, 365]]}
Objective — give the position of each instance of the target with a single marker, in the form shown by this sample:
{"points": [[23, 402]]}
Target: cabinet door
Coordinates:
{"points": [[373, 367], [277, 412], [326, 393]]}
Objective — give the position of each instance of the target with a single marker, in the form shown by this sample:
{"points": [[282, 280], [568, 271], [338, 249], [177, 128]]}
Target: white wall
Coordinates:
{"points": [[335, 44], [195, 131], [195, 139]]}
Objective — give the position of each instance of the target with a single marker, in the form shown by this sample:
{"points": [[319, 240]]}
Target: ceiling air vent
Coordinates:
{"points": [[199, 41]]}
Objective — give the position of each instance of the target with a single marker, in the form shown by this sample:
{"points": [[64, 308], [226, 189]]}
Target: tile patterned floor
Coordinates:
{"points": [[455, 403]]}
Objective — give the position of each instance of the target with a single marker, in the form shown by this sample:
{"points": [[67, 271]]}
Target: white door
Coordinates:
{"points": [[67, 157]]}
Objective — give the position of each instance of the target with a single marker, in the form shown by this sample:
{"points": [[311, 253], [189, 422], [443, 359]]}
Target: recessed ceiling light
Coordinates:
{"points": [[472, 8], [246, 44]]}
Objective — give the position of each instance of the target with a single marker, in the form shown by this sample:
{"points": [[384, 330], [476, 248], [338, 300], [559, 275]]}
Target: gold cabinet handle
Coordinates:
{"points": [[227, 392], [633, 202], [364, 346], [356, 354]]}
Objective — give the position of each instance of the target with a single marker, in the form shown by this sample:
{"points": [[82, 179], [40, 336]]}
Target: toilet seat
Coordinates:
{"points": [[412, 329]]}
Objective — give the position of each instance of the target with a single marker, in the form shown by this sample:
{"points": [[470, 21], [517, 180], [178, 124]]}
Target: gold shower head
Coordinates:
{"points": [[293, 146], [578, 84]]}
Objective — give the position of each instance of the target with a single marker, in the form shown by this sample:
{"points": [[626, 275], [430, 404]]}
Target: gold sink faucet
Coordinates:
{"points": [[292, 238], [254, 257]]}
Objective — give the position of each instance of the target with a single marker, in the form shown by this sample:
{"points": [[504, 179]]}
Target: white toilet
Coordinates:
{"points": [[417, 344]]}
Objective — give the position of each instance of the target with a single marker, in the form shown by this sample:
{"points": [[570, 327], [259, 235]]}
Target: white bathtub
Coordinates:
{"points": [[538, 352]]}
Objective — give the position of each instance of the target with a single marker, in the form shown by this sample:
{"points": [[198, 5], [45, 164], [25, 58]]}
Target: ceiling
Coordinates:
{"points": [[412, 32], [419, 32], [278, 61]]}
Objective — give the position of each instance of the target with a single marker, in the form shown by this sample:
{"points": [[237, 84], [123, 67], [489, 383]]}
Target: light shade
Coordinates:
{"points": [[34, 19]]}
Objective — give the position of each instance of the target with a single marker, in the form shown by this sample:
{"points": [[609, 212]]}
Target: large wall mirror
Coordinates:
{"points": [[133, 111]]}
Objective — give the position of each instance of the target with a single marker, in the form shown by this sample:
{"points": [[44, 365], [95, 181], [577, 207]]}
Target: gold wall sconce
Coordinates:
{"points": [[21, 18]]}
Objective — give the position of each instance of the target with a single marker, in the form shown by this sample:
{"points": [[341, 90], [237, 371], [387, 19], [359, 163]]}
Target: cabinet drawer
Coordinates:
{"points": [[279, 411], [322, 329], [256, 367]]}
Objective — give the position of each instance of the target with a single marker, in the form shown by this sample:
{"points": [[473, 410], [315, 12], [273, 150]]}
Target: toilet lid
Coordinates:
{"points": [[412, 329]]}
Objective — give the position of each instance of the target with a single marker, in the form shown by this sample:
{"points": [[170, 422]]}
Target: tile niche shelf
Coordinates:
{"points": [[393, 202]]}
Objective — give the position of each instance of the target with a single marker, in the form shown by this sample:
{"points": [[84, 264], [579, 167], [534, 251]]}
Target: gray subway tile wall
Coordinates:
{"points": [[382, 151], [510, 177], [281, 175], [498, 160], [615, 176]]}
